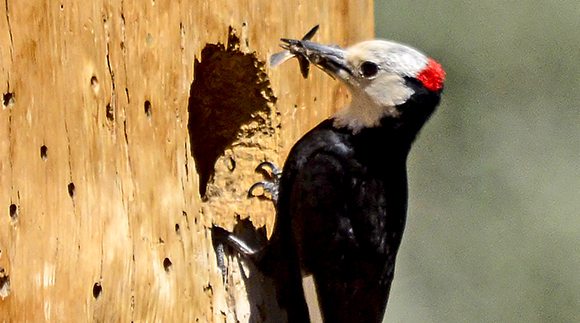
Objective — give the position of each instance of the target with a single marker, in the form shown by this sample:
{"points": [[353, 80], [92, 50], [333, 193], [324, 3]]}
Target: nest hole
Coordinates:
{"points": [[229, 90]]}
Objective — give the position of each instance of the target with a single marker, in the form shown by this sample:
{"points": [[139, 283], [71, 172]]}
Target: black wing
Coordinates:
{"points": [[346, 223]]}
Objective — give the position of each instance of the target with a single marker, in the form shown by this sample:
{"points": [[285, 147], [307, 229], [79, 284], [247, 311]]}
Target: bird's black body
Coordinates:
{"points": [[342, 208]]}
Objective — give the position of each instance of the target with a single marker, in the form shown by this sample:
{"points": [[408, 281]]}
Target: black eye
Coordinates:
{"points": [[369, 69]]}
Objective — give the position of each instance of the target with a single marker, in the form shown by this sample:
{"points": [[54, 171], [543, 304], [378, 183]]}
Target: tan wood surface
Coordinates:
{"points": [[103, 219]]}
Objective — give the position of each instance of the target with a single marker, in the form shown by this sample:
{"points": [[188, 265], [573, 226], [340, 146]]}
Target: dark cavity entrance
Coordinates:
{"points": [[228, 90]]}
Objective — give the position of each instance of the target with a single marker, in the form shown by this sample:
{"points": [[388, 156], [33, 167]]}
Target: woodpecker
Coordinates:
{"points": [[341, 198], [342, 195]]}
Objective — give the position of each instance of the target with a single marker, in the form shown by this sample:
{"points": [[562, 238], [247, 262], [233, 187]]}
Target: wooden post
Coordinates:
{"points": [[115, 116]]}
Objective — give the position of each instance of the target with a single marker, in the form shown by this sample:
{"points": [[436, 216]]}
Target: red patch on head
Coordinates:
{"points": [[432, 76]]}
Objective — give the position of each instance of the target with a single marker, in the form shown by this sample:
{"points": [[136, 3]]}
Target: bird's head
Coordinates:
{"points": [[386, 80]]}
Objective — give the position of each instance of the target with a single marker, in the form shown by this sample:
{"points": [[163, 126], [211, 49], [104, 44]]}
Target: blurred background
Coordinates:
{"points": [[493, 233]]}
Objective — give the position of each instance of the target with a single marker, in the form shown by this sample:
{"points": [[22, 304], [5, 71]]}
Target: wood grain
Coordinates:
{"points": [[103, 220]]}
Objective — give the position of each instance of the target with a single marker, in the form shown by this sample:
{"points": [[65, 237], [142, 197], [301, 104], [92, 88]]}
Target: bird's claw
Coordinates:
{"points": [[246, 240], [272, 175], [267, 186]]}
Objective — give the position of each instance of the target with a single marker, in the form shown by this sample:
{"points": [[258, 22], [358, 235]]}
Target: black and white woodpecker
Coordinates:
{"points": [[342, 199]]}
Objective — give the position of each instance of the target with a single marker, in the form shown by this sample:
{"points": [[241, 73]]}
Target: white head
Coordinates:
{"points": [[377, 73]]}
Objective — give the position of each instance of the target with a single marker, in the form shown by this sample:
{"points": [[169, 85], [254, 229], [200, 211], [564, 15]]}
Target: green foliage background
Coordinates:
{"points": [[493, 233]]}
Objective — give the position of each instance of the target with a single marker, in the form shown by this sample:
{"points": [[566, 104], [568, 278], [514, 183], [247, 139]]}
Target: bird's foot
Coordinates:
{"points": [[270, 184], [246, 240]]}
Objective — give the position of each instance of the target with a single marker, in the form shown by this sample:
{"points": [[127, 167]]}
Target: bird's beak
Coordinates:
{"points": [[331, 59]]}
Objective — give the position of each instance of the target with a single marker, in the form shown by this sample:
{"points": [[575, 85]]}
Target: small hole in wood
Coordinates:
{"points": [[231, 164], [97, 290], [13, 211], [177, 228], [109, 112], [95, 83], [8, 99], [71, 189], [167, 264], [4, 284], [44, 152], [147, 108]]}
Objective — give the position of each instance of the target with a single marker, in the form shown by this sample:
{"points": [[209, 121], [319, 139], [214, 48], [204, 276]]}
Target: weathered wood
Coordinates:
{"points": [[103, 219]]}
